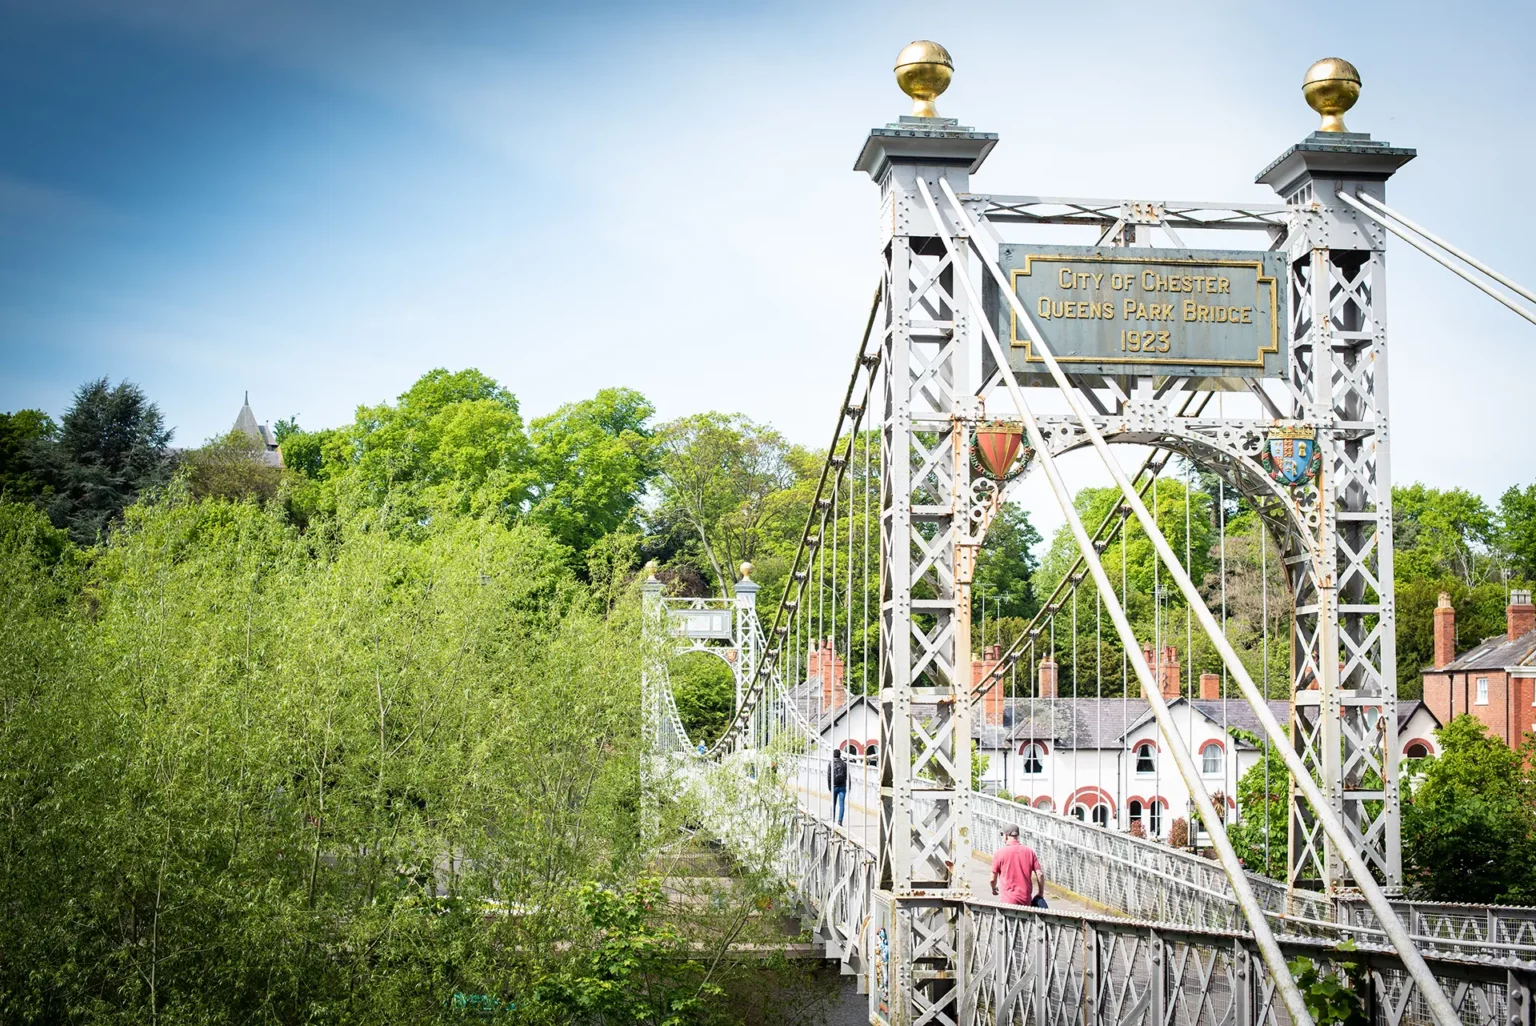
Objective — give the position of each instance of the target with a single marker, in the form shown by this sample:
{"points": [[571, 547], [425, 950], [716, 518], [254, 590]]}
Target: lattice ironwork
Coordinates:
{"points": [[1345, 678]]}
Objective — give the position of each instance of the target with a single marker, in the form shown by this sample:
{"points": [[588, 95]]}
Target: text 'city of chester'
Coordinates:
{"points": [[1117, 310]]}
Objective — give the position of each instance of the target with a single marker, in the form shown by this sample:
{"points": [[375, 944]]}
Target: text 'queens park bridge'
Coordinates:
{"points": [[986, 357]]}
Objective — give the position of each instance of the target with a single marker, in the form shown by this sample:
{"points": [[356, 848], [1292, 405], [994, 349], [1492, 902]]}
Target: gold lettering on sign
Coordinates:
{"points": [[1154, 297]]}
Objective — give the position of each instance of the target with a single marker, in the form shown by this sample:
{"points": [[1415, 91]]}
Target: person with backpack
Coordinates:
{"points": [[837, 783], [1019, 868]]}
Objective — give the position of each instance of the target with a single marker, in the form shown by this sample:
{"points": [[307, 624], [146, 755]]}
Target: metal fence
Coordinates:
{"points": [[1151, 881], [1033, 967], [1139, 877]]}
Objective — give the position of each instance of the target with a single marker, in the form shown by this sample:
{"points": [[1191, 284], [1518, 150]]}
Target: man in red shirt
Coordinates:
{"points": [[1019, 867]]}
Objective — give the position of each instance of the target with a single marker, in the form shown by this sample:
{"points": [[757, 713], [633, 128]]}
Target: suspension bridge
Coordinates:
{"points": [[992, 352]]}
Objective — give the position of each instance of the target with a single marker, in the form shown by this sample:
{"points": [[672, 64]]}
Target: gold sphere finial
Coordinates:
{"points": [[651, 568], [1331, 87], [923, 70], [746, 570]]}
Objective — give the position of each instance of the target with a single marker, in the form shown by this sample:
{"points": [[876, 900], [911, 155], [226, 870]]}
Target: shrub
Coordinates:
{"points": [[1178, 833]]}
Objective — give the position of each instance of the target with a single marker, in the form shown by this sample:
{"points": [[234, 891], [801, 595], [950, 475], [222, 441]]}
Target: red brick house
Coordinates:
{"points": [[1496, 681]]}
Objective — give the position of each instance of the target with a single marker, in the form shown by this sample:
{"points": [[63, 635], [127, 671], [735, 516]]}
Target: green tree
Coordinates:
{"points": [[1440, 533], [1131, 563], [317, 454], [705, 691], [1006, 564], [111, 446], [1479, 615], [729, 481], [453, 444], [1260, 834], [232, 791], [232, 467], [20, 433], [1517, 530], [1469, 824], [281, 429], [633, 974], [591, 461], [1333, 994]]}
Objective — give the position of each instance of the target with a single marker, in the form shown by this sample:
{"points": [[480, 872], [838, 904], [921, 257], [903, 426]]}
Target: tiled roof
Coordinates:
{"points": [[1496, 653], [1104, 722], [1076, 722], [1406, 709]]}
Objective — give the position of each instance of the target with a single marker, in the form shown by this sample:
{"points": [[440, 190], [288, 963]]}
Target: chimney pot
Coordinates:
{"points": [[1047, 677], [992, 702], [1210, 687], [1521, 615], [1445, 632]]}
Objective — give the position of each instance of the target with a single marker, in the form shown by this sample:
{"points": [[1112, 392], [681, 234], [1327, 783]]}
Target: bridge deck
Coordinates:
{"points": [[863, 822]]}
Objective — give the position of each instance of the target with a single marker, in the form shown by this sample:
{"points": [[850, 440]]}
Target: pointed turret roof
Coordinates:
{"points": [[245, 422]]}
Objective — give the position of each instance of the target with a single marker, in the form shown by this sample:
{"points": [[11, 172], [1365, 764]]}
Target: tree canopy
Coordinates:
{"points": [[1469, 818], [111, 445]]}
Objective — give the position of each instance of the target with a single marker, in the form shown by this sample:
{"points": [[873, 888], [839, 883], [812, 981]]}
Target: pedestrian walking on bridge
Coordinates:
{"points": [[1019, 868], [837, 783]]}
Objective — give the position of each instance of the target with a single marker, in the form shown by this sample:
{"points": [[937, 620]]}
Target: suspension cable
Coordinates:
{"points": [[1384, 215], [779, 635], [1264, 616]]}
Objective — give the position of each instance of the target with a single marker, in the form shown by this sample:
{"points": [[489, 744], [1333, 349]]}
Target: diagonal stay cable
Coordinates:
{"points": [[1263, 935], [1465, 257], [1384, 215], [1429, 987]]}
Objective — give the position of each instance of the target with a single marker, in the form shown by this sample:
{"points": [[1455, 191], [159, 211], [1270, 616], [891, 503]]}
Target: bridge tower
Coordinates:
{"points": [[1344, 720], [930, 408], [725, 628]]}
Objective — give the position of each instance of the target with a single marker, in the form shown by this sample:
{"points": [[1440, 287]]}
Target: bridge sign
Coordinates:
{"points": [[1114, 310]]}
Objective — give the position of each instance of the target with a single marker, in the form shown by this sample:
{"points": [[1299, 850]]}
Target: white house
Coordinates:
{"points": [[1102, 760]]}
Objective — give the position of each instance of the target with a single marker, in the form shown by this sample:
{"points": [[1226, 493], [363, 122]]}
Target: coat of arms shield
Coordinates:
{"points": [[996, 448], [1291, 455]]}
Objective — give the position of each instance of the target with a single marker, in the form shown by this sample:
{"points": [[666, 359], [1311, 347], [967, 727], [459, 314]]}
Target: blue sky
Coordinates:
{"points": [[319, 201]]}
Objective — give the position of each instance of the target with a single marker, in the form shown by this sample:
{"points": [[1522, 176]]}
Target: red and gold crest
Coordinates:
{"points": [[999, 452]]}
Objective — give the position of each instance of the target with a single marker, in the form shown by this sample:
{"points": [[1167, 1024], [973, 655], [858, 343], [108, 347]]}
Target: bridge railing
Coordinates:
{"points": [[1501, 932], [1151, 881], [1052, 968], [1037, 968], [1147, 880], [1134, 875], [1028, 967]]}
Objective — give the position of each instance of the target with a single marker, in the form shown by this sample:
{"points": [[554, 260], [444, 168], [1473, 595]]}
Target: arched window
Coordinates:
{"points": [[1045, 804], [1155, 819], [1079, 812], [872, 750], [1146, 758], [1034, 758], [1211, 759], [1134, 810], [1101, 815], [1417, 751]]}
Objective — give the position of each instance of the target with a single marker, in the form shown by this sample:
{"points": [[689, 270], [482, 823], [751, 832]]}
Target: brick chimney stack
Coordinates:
{"points": [[1165, 669], [823, 663], [992, 702], [1521, 614], [1047, 677], [1210, 687], [1445, 631]]}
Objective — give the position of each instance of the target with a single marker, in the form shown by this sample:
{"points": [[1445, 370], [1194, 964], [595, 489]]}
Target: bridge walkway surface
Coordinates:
{"points": [[863, 822]]}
